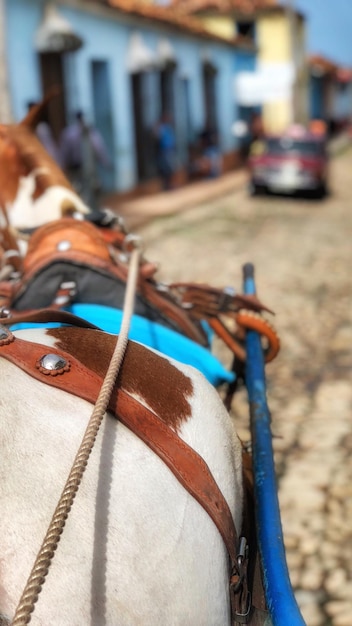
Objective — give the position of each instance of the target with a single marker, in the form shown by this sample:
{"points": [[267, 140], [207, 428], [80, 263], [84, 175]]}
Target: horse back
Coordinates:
{"points": [[132, 550]]}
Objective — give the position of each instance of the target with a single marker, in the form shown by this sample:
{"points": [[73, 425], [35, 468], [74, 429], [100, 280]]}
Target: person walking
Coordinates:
{"points": [[82, 149], [165, 150]]}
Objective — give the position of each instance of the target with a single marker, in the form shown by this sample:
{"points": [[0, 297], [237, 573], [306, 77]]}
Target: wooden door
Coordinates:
{"points": [[52, 75]]}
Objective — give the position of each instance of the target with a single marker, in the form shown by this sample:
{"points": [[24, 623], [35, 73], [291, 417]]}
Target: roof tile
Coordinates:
{"points": [[328, 67], [171, 16], [223, 6]]}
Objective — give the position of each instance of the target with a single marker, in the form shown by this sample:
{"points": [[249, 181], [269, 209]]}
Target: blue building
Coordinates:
{"points": [[122, 66], [330, 92]]}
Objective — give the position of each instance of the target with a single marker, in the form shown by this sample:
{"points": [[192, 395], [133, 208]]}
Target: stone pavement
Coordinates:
{"points": [[140, 210], [302, 252]]}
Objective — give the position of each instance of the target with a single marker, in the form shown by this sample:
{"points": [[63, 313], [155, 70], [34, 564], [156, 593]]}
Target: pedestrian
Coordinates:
{"points": [[211, 154], [165, 150], [82, 149]]}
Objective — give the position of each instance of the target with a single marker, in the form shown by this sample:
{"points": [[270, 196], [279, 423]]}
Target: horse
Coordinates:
{"points": [[33, 188], [137, 547], [77, 258]]}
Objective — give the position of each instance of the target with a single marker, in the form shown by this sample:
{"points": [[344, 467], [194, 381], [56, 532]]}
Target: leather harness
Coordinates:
{"points": [[185, 305], [181, 305], [81, 381], [186, 464]]}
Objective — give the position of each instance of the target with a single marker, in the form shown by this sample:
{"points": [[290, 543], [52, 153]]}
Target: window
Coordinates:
{"points": [[210, 104], [167, 86], [247, 29]]}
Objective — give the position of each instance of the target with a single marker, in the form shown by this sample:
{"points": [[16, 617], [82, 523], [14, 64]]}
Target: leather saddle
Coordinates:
{"points": [[75, 261], [70, 260]]}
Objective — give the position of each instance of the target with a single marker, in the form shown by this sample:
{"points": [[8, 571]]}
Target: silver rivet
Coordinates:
{"points": [[64, 245], [53, 362], [61, 300], [5, 312]]}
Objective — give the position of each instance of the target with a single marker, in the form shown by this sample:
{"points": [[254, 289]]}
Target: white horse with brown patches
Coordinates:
{"points": [[33, 188], [151, 538], [137, 547]]}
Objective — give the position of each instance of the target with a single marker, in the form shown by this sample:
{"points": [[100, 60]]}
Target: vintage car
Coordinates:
{"points": [[288, 164]]}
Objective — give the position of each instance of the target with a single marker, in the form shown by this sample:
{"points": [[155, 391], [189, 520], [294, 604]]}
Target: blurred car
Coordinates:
{"points": [[294, 162]]}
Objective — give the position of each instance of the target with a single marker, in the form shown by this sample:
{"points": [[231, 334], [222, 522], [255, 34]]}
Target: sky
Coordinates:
{"points": [[328, 28]]}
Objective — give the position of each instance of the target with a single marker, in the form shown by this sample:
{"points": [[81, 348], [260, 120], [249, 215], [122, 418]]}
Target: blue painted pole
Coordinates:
{"points": [[280, 598]]}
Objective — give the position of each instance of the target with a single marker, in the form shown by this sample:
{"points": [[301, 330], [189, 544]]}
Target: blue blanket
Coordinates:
{"points": [[151, 334]]}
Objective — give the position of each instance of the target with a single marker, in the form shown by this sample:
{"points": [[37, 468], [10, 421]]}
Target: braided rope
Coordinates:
{"points": [[45, 555]]}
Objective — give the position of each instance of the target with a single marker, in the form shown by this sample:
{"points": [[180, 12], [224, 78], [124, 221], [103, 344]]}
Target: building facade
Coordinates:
{"points": [[122, 66], [282, 57], [330, 92], [280, 82]]}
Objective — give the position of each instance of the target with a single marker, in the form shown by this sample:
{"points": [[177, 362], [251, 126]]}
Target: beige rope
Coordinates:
{"points": [[56, 526]]}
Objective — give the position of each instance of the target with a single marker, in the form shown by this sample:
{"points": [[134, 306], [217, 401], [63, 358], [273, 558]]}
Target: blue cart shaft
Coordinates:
{"points": [[280, 598]]}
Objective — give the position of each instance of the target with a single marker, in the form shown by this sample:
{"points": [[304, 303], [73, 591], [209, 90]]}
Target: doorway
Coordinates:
{"points": [[167, 89], [146, 103], [52, 75], [103, 118], [210, 104]]}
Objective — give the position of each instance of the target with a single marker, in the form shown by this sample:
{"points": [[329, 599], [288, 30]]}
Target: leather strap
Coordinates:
{"points": [[42, 316], [247, 320], [188, 466], [206, 301]]}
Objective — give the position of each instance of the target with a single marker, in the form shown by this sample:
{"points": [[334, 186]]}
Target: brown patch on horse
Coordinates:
{"points": [[163, 387], [9, 246], [31, 155], [10, 168]]}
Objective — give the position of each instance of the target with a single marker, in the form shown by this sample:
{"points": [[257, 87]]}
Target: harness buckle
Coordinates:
{"points": [[65, 293], [241, 598], [243, 615]]}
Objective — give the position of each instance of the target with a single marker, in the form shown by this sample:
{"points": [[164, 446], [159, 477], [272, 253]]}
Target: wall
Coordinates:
{"points": [[342, 107], [317, 98], [106, 35], [5, 105], [273, 38], [22, 19], [222, 25]]}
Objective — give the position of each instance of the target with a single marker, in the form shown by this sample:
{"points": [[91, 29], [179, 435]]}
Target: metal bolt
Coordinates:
{"points": [[64, 245], [53, 362]]}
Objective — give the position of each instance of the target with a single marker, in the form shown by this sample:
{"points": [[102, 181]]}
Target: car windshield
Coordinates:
{"points": [[286, 145]]}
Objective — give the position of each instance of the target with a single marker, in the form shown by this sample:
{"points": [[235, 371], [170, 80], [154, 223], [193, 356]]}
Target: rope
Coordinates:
{"points": [[45, 555]]}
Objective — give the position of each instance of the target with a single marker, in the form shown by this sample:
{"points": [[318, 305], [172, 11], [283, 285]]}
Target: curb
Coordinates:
{"points": [[141, 210]]}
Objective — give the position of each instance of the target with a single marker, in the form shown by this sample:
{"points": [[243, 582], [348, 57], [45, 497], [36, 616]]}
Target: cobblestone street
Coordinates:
{"points": [[302, 253]]}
